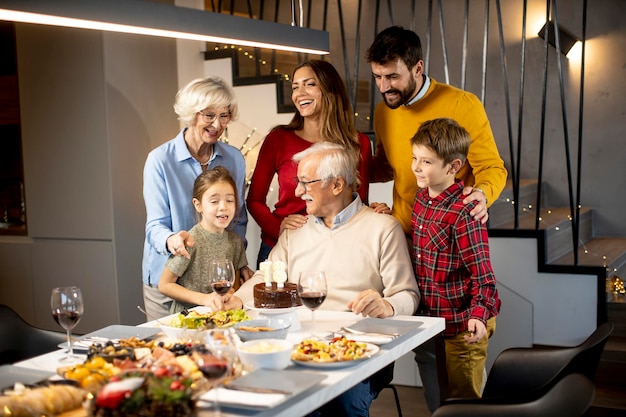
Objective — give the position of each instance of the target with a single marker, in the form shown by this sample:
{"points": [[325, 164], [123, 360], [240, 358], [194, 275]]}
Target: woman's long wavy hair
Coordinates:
{"points": [[337, 116]]}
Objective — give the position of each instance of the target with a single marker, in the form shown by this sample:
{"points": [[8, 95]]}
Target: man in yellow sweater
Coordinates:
{"points": [[411, 98]]}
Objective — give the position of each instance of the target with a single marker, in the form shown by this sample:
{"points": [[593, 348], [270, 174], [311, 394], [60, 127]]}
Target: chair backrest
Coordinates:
{"points": [[572, 396], [530, 372], [19, 340], [587, 360]]}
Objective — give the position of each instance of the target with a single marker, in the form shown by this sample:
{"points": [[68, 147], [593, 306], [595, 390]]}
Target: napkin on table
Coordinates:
{"points": [[251, 399], [368, 338]]}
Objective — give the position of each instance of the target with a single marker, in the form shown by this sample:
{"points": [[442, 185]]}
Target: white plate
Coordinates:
{"points": [[250, 306], [371, 351], [10, 374], [115, 331]]}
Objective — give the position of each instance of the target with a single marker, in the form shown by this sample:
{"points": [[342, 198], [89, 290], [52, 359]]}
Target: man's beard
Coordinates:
{"points": [[404, 95]]}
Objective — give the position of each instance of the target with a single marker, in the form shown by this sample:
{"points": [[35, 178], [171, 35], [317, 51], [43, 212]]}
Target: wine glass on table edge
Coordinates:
{"points": [[215, 359], [312, 291], [221, 276], [67, 307]]}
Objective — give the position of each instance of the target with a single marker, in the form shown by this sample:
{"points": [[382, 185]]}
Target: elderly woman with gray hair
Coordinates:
{"points": [[205, 106]]}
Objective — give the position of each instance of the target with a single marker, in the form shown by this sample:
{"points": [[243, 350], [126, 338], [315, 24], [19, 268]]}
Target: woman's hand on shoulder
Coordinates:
{"points": [[381, 208], [293, 222]]}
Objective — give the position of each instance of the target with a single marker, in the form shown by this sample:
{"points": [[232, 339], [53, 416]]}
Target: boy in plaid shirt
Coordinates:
{"points": [[450, 254]]}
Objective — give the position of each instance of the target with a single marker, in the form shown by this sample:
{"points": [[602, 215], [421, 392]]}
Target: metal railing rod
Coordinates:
{"points": [[516, 186], [568, 161], [372, 82], [483, 87], [346, 65], [542, 134], [444, 50], [507, 95], [357, 55], [465, 41], [580, 127], [429, 27]]}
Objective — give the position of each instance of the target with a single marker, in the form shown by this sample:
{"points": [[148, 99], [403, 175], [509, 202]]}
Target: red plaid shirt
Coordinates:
{"points": [[450, 255]]}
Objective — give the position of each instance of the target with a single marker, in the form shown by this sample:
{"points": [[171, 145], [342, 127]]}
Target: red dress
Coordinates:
{"points": [[275, 157]]}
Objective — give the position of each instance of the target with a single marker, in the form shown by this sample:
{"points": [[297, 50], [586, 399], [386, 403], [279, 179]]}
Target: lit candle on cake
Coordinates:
{"points": [[280, 276], [266, 268]]}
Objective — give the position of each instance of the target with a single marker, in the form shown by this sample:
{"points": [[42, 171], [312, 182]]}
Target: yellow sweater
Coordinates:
{"points": [[395, 127]]}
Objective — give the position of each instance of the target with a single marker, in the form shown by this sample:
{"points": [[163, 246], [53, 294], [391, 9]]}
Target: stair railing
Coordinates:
{"points": [[516, 147]]}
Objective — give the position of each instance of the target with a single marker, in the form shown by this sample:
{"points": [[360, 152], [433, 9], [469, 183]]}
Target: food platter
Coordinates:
{"points": [[371, 351], [112, 332]]}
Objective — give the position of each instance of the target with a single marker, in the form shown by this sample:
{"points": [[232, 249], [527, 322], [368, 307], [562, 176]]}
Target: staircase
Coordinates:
{"points": [[593, 251]]}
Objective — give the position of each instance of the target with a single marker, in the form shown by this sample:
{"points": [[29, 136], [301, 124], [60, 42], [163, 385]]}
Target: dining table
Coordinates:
{"points": [[309, 385]]}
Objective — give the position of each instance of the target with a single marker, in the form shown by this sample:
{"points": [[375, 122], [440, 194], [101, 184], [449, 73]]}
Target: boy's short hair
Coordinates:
{"points": [[445, 137]]}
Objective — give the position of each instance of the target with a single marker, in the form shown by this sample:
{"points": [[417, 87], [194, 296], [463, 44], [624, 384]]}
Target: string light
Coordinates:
{"points": [[528, 209]]}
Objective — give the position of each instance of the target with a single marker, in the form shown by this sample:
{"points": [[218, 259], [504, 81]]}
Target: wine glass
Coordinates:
{"points": [[221, 276], [66, 304], [215, 358], [312, 291]]}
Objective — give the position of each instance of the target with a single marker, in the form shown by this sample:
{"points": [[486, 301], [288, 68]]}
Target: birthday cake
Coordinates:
{"points": [[275, 292]]}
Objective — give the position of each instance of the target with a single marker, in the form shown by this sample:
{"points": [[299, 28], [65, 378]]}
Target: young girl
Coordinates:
{"points": [[187, 280]]}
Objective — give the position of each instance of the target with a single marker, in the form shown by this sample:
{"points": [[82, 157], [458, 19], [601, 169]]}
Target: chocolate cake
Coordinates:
{"points": [[274, 297]]}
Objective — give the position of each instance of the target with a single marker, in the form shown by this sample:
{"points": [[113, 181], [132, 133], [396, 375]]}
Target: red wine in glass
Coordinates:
{"points": [[221, 287], [67, 319], [312, 300], [221, 276], [66, 306], [312, 291], [213, 368], [215, 358]]}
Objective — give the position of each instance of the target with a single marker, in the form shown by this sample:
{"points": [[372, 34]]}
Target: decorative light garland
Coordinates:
{"points": [[525, 208], [528, 209]]}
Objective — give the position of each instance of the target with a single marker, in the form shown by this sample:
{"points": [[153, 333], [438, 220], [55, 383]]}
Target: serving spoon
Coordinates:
{"points": [[144, 312]]}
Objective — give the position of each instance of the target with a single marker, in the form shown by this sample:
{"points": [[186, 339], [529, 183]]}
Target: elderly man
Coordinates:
{"points": [[364, 256]]}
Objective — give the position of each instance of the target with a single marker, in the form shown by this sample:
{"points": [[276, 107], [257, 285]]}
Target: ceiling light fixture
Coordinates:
{"points": [[566, 38], [158, 19]]}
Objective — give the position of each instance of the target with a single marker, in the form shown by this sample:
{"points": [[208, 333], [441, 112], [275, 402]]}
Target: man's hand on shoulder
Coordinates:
{"points": [[479, 212]]}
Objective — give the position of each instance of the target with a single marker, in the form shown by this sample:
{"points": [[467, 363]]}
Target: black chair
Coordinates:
{"points": [[572, 396], [19, 340], [396, 398], [535, 370], [525, 374]]}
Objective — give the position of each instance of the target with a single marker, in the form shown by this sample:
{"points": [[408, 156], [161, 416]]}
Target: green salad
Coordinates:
{"points": [[195, 320]]}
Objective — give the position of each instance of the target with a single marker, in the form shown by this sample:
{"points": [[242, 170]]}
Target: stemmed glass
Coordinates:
{"points": [[66, 304], [221, 276], [215, 359], [312, 291]]}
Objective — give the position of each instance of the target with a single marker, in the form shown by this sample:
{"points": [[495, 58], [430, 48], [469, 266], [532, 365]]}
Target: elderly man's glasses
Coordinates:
{"points": [[305, 183], [224, 118]]}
